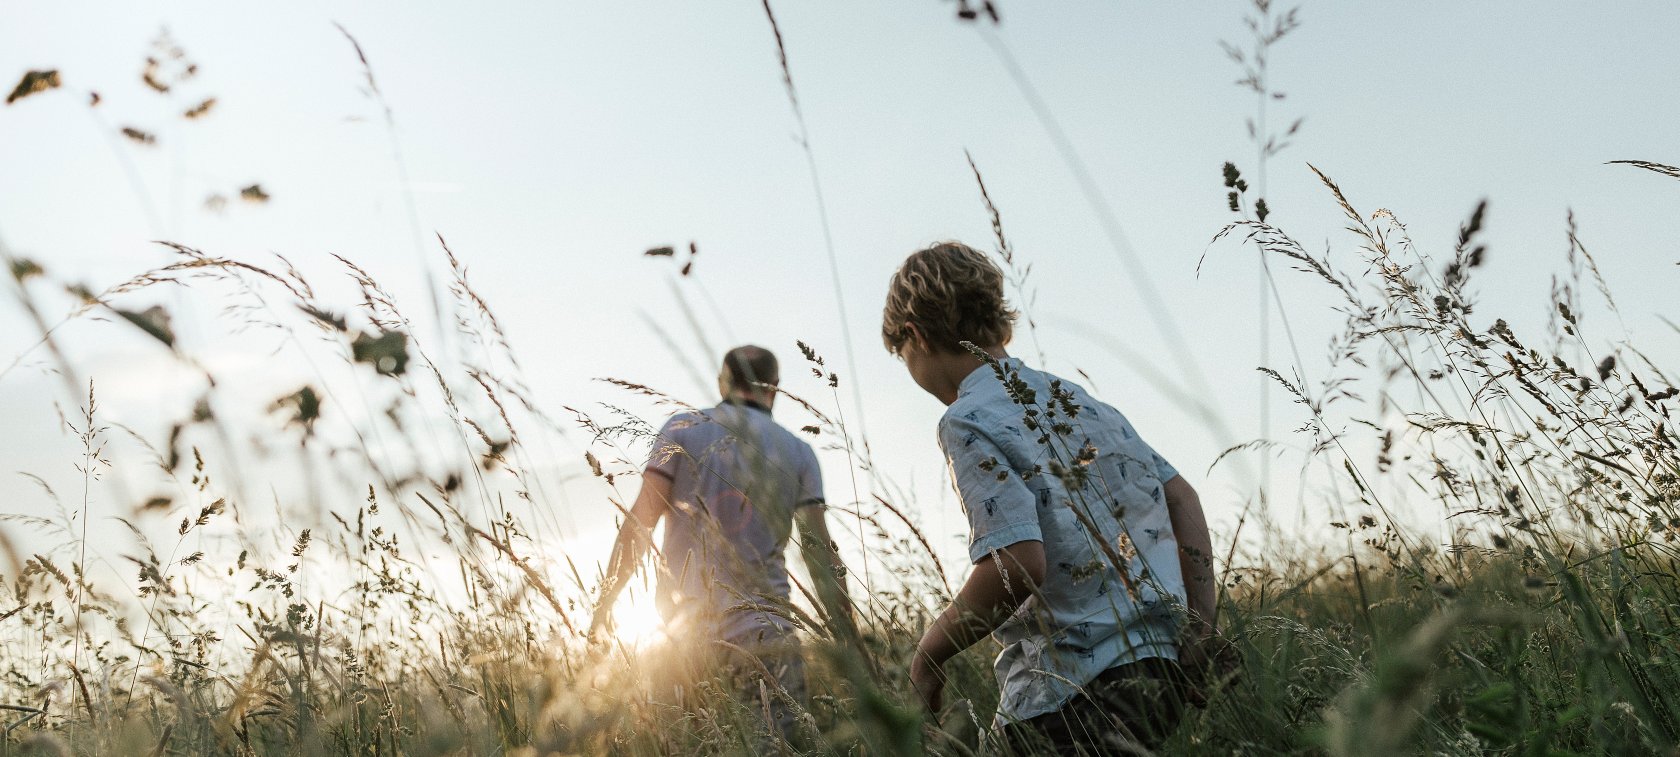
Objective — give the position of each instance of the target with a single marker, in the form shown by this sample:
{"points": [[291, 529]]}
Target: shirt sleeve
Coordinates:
{"points": [[810, 480], [1163, 469], [1001, 509], [668, 451]]}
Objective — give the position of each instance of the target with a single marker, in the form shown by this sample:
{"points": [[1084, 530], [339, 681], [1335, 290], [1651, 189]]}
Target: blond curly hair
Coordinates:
{"points": [[951, 293]]}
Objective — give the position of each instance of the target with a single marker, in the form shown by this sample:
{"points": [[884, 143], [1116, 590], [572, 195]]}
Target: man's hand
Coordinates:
{"points": [[600, 626], [828, 574], [634, 540], [928, 679]]}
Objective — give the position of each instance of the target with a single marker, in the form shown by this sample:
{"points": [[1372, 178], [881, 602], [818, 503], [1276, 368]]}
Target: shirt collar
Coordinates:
{"points": [[754, 404], [985, 372]]}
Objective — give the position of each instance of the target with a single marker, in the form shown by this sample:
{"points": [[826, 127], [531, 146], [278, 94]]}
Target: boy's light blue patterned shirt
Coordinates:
{"points": [[1022, 478]]}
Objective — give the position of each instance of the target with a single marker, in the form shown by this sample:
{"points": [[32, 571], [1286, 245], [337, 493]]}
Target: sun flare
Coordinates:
{"points": [[636, 620]]}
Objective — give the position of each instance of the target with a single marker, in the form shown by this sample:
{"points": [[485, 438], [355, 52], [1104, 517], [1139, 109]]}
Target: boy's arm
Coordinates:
{"points": [[634, 538], [1210, 661], [994, 591], [1005, 545], [1195, 553]]}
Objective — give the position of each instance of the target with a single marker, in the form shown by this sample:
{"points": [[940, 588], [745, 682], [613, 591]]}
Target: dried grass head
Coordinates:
{"points": [[950, 293]]}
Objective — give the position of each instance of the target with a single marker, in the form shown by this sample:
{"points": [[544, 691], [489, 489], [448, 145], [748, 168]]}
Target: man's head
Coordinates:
{"points": [[945, 295], [745, 371]]}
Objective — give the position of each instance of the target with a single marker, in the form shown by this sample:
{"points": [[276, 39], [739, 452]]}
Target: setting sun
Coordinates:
{"points": [[636, 620]]}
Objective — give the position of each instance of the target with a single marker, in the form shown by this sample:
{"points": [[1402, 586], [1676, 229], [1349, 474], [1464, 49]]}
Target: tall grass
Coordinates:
{"points": [[331, 626]]}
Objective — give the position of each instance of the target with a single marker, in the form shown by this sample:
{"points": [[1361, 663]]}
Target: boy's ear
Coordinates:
{"points": [[916, 337]]}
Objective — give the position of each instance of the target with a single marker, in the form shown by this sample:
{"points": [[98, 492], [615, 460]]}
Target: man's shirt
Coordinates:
{"points": [[1048, 462], [736, 479]]}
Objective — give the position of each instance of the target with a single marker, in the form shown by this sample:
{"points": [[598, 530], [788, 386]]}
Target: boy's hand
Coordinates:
{"points": [[1209, 660], [995, 589], [927, 678], [956, 727]]}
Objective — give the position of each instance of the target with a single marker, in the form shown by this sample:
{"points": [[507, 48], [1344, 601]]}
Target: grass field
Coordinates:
{"points": [[1546, 628]]}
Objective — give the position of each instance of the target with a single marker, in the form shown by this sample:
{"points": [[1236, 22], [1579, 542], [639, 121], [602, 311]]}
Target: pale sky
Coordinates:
{"points": [[552, 143]]}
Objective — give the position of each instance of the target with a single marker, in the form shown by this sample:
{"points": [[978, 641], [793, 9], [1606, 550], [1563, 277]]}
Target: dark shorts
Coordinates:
{"points": [[766, 677], [1137, 704], [778, 698]]}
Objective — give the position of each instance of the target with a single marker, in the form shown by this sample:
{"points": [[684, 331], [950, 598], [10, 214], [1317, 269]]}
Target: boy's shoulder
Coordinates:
{"points": [[982, 410], [979, 404], [985, 404], [984, 392]]}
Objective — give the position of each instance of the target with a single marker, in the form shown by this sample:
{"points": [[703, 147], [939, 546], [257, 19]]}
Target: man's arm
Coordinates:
{"points": [[634, 538], [823, 563], [994, 591], [1195, 553]]}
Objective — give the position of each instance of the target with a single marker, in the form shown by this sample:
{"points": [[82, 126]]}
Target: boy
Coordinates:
{"points": [[1091, 554]]}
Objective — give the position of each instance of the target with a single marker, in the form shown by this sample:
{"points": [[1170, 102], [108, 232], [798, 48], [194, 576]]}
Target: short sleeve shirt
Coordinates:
{"points": [[1047, 462], [736, 479]]}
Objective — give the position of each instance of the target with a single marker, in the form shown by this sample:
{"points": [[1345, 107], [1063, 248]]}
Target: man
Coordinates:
{"points": [[732, 483], [1091, 554]]}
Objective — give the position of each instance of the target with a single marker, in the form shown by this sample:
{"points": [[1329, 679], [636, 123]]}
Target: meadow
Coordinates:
{"points": [[1545, 627]]}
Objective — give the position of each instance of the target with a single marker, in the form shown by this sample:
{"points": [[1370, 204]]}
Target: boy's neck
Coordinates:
{"points": [[955, 367]]}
